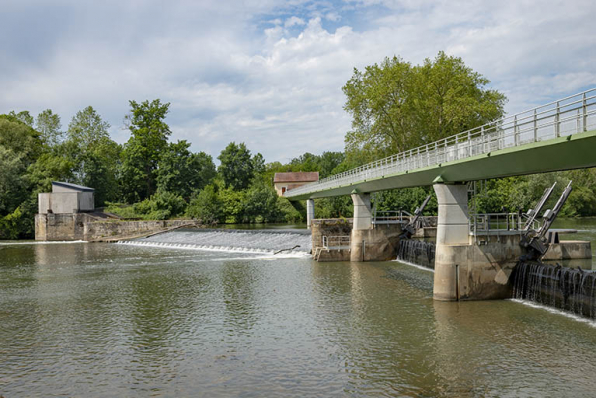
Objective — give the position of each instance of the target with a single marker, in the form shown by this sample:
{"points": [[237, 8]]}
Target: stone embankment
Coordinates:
{"points": [[98, 228]]}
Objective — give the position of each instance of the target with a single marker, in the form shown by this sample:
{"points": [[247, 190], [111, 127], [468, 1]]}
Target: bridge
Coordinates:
{"points": [[560, 135]]}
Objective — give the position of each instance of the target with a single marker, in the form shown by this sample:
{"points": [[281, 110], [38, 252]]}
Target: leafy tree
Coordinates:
{"points": [[144, 148], [12, 184], [206, 207], [48, 124], [396, 106], [23, 116], [20, 138], [261, 204], [87, 128], [95, 156], [237, 167], [182, 171]]}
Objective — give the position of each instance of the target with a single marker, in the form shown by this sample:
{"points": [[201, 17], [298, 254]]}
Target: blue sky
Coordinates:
{"points": [[269, 73]]}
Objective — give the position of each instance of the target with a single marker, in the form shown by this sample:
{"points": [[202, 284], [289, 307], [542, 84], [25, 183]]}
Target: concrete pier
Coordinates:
{"points": [[310, 212]]}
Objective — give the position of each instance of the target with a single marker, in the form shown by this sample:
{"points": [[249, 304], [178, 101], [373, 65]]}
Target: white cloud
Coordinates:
{"points": [[236, 71], [294, 21]]}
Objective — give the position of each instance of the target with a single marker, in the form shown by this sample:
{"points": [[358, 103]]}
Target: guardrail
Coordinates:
{"points": [[497, 223], [391, 217], [335, 242], [567, 116]]}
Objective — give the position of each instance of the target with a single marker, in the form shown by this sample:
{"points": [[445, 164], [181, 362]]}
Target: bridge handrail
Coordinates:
{"points": [[506, 132]]}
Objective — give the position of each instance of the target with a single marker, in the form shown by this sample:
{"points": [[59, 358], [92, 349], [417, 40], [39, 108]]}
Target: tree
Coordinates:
{"points": [[23, 116], [206, 207], [87, 128], [48, 124], [143, 150], [237, 167], [182, 171], [95, 156], [396, 106]]}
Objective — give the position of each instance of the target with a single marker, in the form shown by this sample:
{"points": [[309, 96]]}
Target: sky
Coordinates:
{"points": [[269, 73]]}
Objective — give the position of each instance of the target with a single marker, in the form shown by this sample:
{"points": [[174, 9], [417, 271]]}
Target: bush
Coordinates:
{"points": [[206, 207]]}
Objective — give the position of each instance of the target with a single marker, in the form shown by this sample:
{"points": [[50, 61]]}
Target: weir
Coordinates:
{"points": [[557, 136]]}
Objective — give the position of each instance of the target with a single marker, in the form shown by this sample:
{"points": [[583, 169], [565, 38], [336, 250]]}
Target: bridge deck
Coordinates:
{"points": [[556, 136]]}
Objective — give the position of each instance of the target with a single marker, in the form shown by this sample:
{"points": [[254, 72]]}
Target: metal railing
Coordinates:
{"points": [[335, 242], [567, 116], [498, 223], [391, 217]]}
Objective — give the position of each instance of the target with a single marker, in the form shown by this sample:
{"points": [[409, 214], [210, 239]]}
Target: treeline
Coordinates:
{"points": [[394, 106]]}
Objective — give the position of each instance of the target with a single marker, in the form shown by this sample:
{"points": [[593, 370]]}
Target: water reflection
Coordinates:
{"points": [[83, 320]]}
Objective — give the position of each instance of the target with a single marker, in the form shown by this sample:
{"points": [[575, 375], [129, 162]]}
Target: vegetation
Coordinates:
{"points": [[394, 105]]}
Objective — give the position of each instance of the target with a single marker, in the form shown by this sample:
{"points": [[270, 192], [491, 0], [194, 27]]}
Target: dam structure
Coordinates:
{"points": [[470, 263]]}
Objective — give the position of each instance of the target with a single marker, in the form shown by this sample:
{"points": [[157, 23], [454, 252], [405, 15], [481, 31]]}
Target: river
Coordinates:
{"points": [[183, 315]]}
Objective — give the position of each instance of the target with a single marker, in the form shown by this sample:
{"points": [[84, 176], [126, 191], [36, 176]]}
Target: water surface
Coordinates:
{"points": [[121, 320]]}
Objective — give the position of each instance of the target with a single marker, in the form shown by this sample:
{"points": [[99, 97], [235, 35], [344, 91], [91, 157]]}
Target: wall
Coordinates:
{"points": [[86, 201], [59, 227], [375, 244], [81, 226], [330, 227], [59, 203], [113, 230]]}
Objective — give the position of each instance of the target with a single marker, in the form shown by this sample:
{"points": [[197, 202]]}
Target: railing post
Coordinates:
{"points": [[578, 127], [469, 144], [535, 126], [482, 138], [557, 127], [515, 131], [427, 156], [585, 110]]}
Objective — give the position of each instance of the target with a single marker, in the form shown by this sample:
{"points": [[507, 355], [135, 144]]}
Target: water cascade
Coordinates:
{"points": [[417, 252], [568, 289], [249, 241]]}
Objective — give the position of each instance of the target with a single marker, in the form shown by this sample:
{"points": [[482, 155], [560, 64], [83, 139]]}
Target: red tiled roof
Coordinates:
{"points": [[301, 176]]}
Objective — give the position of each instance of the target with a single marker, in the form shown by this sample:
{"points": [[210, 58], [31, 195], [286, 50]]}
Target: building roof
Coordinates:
{"points": [[300, 176], [73, 186]]}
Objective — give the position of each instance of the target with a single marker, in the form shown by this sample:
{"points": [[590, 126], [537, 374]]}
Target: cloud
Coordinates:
{"points": [[270, 73]]}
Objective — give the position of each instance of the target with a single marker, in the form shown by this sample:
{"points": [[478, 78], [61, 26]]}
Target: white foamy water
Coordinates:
{"points": [[231, 241], [552, 310], [58, 242], [415, 265]]}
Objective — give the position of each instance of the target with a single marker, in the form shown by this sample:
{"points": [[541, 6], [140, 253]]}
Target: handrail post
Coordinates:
{"points": [[585, 110], [515, 131], [482, 138], [557, 126], [535, 126], [469, 144]]}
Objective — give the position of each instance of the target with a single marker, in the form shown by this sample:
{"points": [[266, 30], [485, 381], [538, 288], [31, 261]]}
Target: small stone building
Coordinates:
{"points": [[283, 182], [66, 198]]}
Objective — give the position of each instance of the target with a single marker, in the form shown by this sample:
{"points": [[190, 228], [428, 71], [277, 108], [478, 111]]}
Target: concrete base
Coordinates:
{"points": [[476, 272], [569, 250], [376, 244]]}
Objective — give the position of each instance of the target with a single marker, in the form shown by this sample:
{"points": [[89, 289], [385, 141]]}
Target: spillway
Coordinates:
{"points": [[292, 242], [567, 289], [417, 252]]}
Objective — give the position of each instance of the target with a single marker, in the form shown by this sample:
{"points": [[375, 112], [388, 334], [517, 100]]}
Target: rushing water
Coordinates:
{"points": [[159, 319]]}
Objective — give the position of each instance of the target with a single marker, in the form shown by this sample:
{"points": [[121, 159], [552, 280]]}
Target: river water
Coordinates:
{"points": [[183, 315]]}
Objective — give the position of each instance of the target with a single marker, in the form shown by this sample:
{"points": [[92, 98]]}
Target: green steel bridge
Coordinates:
{"points": [[557, 136]]}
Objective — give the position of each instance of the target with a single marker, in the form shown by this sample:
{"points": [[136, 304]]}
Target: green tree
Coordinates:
{"points": [[143, 150], [182, 171], [48, 124], [23, 116], [95, 156], [206, 207], [261, 204], [396, 106], [237, 167], [87, 128]]}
